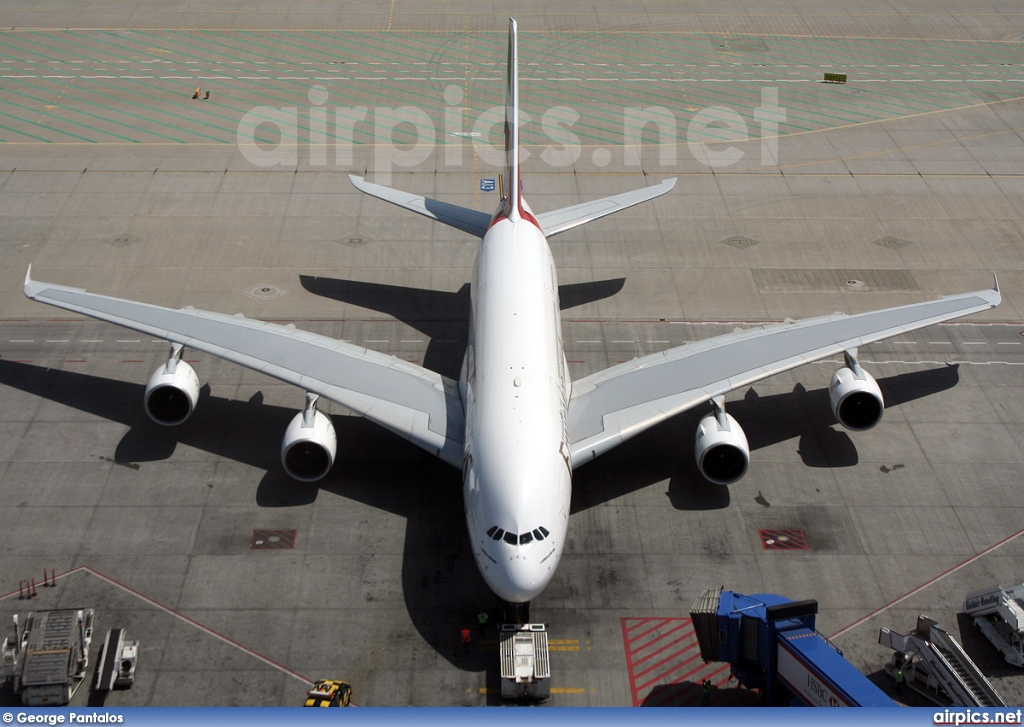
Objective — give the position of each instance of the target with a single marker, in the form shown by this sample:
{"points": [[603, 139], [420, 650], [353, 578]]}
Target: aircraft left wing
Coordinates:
{"points": [[411, 401], [609, 407]]}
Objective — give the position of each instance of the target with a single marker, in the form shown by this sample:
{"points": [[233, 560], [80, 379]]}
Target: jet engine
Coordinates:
{"points": [[173, 391], [855, 398], [310, 444], [721, 448]]}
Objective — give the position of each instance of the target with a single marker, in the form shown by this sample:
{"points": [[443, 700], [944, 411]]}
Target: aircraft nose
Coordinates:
{"points": [[520, 581]]}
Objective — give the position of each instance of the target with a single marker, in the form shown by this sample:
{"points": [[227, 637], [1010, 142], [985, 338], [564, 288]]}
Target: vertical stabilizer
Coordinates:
{"points": [[512, 203]]}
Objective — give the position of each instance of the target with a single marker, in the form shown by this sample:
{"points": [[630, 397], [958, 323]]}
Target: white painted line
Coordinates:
{"points": [[129, 340], [56, 340], [21, 340], [92, 340]]}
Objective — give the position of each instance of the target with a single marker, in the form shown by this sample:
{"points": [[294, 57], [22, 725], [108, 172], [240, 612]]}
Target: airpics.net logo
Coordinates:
{"points": [[406, 136]]}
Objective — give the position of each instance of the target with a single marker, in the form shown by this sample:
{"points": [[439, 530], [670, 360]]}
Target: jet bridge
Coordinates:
{"points": [[772, 645], [937, 667]]}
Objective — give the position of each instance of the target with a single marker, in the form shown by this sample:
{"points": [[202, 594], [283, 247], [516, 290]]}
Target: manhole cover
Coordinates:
{"points": [[783, 539], [273, 540], [892, 243], [355, 241], [122, 241], [264, 292], [739, 242]]}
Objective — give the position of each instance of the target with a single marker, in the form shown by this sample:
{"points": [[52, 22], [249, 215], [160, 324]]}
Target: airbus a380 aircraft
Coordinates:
{"points": [[514, 422]]}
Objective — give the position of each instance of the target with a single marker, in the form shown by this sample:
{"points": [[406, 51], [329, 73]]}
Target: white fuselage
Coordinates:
{"points": [[517, 482]]}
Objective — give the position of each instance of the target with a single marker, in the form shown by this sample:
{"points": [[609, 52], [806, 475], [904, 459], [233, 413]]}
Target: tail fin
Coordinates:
{"points": [[513, 184], [513, 207]]}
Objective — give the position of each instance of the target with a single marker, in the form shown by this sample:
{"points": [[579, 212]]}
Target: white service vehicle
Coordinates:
{"points": [[999, 614]]}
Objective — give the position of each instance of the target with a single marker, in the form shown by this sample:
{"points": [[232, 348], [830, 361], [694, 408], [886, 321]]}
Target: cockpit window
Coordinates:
{"points": [[496, 533]]}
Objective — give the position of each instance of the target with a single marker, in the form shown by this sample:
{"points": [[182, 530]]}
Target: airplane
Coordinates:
{"points": [[514, 422]]}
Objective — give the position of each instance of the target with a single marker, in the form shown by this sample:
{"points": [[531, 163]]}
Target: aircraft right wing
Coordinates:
{"points": [[609, 407]]}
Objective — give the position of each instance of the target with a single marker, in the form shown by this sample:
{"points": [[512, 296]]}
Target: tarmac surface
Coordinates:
{"points": [[904, 183]]}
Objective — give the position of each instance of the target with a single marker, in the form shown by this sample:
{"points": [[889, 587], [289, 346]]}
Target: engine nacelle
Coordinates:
{"points": [[172, 393], [856, 399], [721, 449], [310, 445]]}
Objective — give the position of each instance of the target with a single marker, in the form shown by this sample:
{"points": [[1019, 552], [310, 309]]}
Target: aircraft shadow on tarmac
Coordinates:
{"points": [[441, 316], [442, 588], [665, 452]]}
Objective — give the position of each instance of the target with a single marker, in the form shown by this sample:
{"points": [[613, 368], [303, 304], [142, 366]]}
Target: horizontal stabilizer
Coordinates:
{"points": [[569, 217], [474, 222]]}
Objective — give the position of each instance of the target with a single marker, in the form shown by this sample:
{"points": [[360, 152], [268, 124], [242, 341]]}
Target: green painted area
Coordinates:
{"points": [[136, 86]]}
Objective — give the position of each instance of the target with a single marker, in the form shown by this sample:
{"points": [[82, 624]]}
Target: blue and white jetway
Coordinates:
{"points": [[772, 646]]}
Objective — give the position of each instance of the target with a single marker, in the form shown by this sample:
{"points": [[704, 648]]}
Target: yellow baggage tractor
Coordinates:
{"points": [[329, 693]]}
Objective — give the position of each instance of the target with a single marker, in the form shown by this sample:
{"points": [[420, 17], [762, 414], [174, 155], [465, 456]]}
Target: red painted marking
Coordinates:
{"points": [[273, 539], [656, 626], [783, 539], [927, 583], [669, 645], [186, 619], [662, 652], [672, 667], [74, 360], [132, 360]]}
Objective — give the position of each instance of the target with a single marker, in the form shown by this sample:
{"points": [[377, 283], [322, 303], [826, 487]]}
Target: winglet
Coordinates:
{"points": [[995, 281], [29, 289]]}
